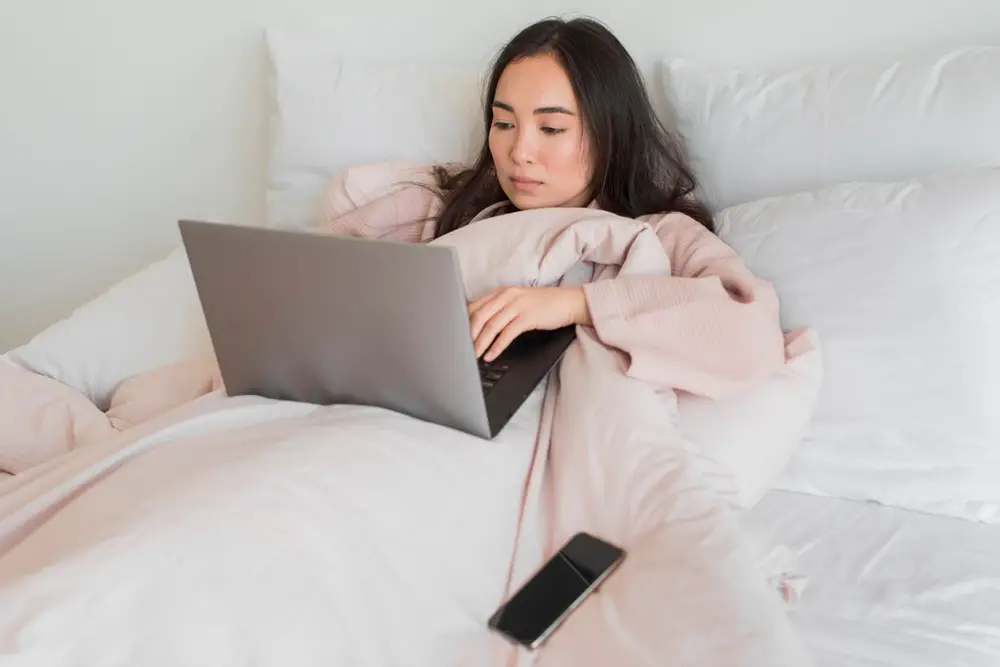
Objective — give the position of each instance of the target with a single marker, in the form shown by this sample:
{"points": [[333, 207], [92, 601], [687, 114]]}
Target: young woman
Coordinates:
{"points": [[569, 124]]}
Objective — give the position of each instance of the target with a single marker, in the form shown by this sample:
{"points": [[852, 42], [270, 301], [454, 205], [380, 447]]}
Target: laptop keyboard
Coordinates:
{"points": [[490, 373]]}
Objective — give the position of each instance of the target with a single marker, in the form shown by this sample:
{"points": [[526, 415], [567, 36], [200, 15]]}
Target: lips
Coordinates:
{"points": [[525, 183]]}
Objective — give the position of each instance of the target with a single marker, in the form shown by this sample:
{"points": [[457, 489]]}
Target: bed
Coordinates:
{"points": [[878, 456]]}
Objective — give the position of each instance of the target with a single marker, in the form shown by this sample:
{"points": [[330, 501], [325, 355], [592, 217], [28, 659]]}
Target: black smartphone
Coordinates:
{"points": [[560, 586]]}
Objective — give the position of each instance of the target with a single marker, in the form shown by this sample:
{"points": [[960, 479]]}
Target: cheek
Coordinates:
{"points": [[497, 148], [567, 158]]}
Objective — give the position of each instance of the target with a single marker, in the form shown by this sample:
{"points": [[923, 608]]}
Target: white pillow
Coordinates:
{"points": [[328, 113], [902, 283], [754, 434], [756, 134], [150, 319]]}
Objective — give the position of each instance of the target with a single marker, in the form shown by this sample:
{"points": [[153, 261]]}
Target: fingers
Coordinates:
{"points": [[486, 298], [482, 310], [498, 318], [505, 294], [514, 328], [481, 313], [496, 325]]}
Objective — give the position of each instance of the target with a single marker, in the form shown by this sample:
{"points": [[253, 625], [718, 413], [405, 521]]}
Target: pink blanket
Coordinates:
{"points": [[607, 459]]}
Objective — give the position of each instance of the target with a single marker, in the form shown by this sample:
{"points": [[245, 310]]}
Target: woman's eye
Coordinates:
{"points": [[553, 130], [502, 125]]}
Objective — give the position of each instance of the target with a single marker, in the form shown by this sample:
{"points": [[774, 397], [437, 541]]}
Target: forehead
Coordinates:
{"points": [[538, 81]]}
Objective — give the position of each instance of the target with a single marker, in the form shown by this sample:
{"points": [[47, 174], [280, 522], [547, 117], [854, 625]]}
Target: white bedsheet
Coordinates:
{"points": [[888, 587]]}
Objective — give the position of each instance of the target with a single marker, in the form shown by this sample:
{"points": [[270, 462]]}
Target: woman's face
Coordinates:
{"points": [[538, 140]]}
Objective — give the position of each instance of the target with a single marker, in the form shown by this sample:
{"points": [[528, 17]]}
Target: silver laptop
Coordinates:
{"points": [[319, 318]]}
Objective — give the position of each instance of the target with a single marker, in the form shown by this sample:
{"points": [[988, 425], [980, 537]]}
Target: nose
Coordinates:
{"points": [[522, 151]]}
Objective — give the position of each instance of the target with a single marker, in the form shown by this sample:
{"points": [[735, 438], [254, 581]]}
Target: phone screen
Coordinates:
{"points": [[555, 589]]}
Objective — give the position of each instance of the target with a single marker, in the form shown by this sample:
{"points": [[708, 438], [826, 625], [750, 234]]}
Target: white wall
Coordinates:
{"points": [[117, 117]]}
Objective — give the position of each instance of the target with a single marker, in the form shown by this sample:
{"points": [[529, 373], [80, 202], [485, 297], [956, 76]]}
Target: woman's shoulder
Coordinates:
{"points": [[396, 200], [360, 185]]}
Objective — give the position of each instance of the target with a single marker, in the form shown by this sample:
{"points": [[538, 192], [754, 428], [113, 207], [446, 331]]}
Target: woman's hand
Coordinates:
{"points": [[504, 314]]}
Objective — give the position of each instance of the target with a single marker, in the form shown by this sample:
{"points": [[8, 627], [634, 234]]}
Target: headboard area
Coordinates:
{"points": [[119, 119]]}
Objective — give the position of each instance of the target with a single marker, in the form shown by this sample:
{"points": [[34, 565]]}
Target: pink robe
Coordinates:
{"points": [[712, 328]]}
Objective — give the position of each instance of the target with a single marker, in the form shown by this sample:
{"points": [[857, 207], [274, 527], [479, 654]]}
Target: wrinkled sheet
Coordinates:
{"points": [[888, 587]]}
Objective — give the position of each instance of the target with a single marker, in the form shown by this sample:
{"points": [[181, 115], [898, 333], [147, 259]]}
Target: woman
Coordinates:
{"points": [[569, 124]]}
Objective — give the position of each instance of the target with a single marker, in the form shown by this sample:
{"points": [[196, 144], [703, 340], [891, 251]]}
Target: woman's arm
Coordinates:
{"points": [[710, 328]]}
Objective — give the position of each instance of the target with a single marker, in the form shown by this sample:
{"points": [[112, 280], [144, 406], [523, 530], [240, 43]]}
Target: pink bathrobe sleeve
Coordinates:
{"points": [[711, 328]]}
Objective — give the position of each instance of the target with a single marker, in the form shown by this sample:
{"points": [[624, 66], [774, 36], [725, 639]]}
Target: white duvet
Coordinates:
{"points": [[386, 544]]}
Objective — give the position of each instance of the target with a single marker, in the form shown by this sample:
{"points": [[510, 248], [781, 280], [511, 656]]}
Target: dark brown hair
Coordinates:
{"points": [[639, 165]]}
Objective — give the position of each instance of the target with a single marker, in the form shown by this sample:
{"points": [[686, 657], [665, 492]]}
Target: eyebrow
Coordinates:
{"points": [[538, 111]]}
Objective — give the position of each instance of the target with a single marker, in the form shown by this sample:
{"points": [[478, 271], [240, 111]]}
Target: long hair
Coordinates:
{"points": [[639, 165]]}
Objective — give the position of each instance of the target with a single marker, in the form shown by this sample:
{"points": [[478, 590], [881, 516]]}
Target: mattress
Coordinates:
{"points": [[887, 587]]}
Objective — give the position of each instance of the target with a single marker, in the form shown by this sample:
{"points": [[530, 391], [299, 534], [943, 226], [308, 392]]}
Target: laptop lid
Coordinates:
{"points": [[314, 317]]}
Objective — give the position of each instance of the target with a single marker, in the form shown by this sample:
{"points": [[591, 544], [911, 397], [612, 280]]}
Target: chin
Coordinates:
{"points": [[525, 201]]}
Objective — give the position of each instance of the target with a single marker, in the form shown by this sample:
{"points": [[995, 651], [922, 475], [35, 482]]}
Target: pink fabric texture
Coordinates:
{"points": [[42, 419]]}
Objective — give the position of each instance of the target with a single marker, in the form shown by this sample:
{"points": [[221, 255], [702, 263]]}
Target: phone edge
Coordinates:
{"points": [[555, 625]]}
